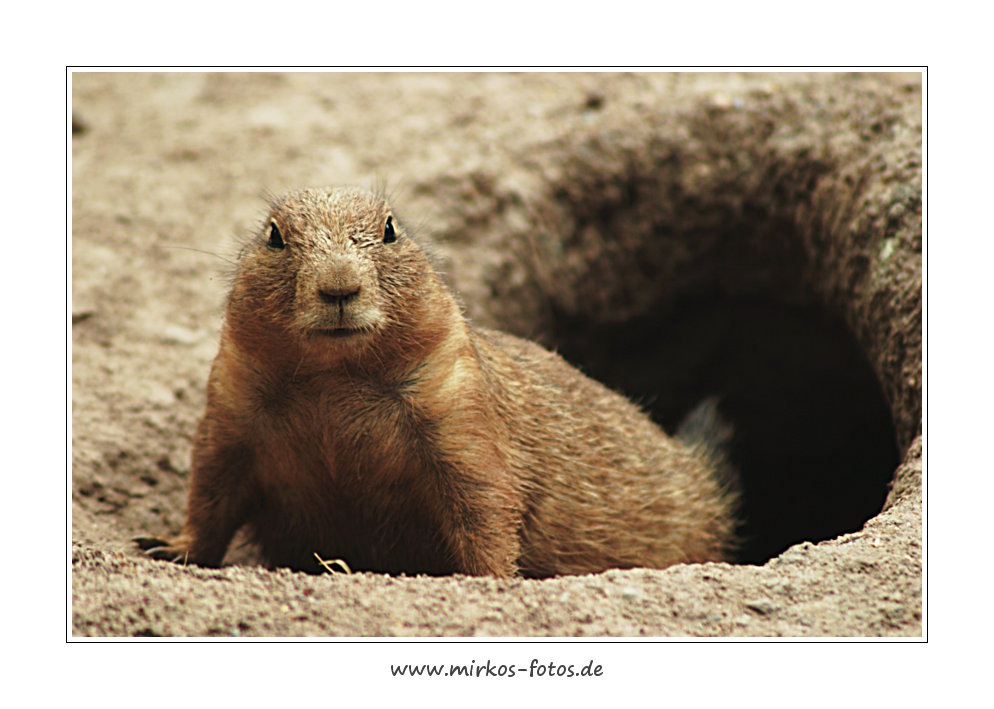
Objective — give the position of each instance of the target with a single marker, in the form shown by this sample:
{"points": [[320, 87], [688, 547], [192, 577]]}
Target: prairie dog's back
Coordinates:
{"points": [[606, 487]]}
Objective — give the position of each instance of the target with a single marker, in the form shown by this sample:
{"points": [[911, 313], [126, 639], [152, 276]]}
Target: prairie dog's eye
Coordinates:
{"points": [[275, 238], [389, 234]]}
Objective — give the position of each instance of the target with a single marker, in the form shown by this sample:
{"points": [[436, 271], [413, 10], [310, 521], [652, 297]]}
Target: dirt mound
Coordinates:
{"points": [[757, 237]]}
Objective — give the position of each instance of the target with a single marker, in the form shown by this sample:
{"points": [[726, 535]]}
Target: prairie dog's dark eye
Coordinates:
{"points": [[389, 235], [275, 238]]}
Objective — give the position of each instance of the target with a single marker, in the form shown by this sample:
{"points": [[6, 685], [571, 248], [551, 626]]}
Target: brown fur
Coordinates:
{"points": [[418, 443]]}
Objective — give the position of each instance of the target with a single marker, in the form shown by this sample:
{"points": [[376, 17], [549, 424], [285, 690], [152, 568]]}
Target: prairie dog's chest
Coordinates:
{"points": [[334, 434]]}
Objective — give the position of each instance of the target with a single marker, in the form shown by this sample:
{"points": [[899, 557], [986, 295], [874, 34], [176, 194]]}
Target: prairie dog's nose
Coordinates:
{"points": [[339, 281], [338, 294]]}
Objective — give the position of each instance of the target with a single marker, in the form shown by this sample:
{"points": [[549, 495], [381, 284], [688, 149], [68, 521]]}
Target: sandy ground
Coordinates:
{"points": [[521, 181]]}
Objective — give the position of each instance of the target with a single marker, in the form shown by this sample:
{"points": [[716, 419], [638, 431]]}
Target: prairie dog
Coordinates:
{"points": [[353, 412]]}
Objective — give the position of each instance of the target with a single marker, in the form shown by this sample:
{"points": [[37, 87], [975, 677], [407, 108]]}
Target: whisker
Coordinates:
{"points": [[201, 251]]}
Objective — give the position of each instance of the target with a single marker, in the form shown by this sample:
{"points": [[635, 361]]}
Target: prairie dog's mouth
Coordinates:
{"points": [[350, 325], [338, 333]]}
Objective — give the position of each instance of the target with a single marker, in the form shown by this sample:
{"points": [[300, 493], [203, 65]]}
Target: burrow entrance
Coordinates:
{"points": [[671, 289], [814, 441], [767, 252]]}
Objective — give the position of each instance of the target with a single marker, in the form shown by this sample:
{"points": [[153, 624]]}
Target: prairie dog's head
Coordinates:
{"points": [[330, 274]]}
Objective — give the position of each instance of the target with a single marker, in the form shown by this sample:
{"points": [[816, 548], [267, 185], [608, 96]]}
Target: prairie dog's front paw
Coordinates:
{"points": [[175, 549]]}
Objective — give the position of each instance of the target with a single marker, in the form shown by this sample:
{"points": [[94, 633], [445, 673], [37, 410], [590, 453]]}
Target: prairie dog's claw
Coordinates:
{"points": [[162, 549]]}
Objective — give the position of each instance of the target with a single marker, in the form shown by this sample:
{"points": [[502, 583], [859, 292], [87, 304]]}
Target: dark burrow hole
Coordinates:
{"points": [[814, 441]]}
